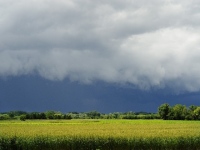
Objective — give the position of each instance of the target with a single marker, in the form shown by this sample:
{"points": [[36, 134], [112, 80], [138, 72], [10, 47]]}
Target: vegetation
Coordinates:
{"points": [[75, 115], [99, 134], [179, 112], [165, 112], [97, 131]]}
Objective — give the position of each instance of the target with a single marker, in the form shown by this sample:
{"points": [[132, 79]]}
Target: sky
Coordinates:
{"points": [[73, 55]]}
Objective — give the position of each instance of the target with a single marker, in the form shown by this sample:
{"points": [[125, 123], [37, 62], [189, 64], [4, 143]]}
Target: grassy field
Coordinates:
{"points": [[99, 134]]}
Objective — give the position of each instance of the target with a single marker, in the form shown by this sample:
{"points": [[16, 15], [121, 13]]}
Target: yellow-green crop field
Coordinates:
{"points": [[99, 134]]}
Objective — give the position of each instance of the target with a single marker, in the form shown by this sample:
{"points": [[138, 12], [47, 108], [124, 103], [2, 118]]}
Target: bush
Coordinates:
{"points": [[22, 117], [4, 117]]}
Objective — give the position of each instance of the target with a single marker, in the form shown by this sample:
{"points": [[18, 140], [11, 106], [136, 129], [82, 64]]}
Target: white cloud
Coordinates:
{"points": [[144, 43]]}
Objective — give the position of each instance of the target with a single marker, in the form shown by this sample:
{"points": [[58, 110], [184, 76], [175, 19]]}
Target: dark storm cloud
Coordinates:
{"points": [[144, 43]]}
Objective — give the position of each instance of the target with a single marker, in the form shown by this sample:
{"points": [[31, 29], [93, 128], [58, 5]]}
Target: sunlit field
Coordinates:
{"points": [[99, 134]]}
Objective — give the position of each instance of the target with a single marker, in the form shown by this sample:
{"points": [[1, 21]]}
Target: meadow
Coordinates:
{"points": [[99, 134]]}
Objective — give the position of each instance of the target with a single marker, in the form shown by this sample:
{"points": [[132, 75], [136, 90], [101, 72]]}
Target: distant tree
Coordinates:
{"points": [[130, 115], [43, 116], [190, 113], [50, 114], [57, 116], [28, 116], [192, 107], [22, 117], [94, 115], [197, 113], [164, 111], [4, 117], [179, 112], [68, 116], [116, 115], [11, 114], [35, 115]]}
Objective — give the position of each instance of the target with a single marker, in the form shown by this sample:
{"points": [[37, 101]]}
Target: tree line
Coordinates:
{"points": [[22, 115], [179, 112], [165, 112]]}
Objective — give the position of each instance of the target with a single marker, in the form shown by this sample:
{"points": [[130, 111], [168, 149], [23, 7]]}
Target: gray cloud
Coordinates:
{"points": [[144, 43]]}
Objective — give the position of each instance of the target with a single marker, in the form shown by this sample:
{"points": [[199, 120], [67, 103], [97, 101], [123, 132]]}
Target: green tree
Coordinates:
{"points": [[22, 117], [50, 114], [192, 107], [67, 116], [190, 115], [164, 111], [4, 117], [57, 116], [42, 116], [94, 115], [197, 113], [179, 112]]}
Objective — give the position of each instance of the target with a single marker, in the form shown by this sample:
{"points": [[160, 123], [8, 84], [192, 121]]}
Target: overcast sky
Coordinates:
{"points": [[139, 43]]}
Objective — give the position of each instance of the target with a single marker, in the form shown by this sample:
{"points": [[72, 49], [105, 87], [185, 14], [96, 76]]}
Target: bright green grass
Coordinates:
{"points": [[100, 134]]}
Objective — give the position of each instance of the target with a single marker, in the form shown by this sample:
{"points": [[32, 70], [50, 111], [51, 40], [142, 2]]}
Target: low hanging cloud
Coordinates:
{"points": [[144, 43]]}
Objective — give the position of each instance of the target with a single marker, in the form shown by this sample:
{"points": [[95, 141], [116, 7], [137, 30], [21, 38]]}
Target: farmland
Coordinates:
{"points": [[99, 134]]}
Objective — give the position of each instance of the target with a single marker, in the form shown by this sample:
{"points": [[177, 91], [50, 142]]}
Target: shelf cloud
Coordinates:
{"points": [[143, 43]]}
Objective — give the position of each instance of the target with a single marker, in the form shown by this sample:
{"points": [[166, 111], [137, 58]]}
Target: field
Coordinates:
{"points": [[99, 134]]}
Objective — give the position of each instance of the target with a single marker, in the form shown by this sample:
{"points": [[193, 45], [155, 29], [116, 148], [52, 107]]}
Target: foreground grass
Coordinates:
{"points": [[100, 134]]}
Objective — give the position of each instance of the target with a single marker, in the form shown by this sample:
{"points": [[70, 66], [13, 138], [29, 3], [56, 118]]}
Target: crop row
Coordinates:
{"points": [[98, 143]]}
